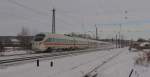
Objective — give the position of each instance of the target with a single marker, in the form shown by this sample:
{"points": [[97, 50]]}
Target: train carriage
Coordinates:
{"points": [[48, 42]]}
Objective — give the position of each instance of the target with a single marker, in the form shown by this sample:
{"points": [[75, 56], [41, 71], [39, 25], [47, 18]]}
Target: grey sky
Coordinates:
{"points": [[76, 16]]}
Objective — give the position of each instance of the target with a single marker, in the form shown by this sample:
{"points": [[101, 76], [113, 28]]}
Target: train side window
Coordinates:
{"points": [[65, 40], [56, 40], [50, 40], [47, 40], [53, 40], [59, 40]]}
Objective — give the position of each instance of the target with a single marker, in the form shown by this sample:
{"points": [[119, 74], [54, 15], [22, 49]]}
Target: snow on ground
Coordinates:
{"points": [[74, 66], [120, 66], [143, 69], [9, 51], [79, 65], [13, 52]]}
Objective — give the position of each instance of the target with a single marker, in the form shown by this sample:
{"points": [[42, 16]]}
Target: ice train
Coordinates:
{"points": [[47, 42]]}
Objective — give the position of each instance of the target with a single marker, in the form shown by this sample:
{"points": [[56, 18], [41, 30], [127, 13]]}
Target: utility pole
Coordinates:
{"points": [[120, 35], [53, 22], [96, 32], [116, 41]]}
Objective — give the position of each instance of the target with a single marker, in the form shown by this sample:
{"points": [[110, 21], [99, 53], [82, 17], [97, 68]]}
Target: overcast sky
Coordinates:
{"points": [[77, 16]]}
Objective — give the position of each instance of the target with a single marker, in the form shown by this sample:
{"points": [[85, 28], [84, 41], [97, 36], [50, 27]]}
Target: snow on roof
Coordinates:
{"points": [[14, 40], [143, 44]]}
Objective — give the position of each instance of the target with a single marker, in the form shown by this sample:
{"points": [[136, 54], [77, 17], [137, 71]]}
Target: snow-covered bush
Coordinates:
{"points": [[143, 58]]}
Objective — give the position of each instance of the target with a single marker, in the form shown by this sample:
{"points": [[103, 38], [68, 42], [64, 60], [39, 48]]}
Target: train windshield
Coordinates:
{"points": [[39, 37]]}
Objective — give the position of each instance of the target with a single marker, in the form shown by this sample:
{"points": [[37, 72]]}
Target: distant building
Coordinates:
{"points": [[15, 41], [9, 41]]}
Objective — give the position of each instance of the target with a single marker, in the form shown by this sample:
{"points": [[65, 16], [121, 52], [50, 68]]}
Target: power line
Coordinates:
{"points": [[34, 10], [69, 15], [71, 19], [82, 25], [72, 16], [63, 21], [28, 8]]}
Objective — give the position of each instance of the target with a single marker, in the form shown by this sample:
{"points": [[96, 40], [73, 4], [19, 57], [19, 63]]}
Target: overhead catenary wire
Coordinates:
{"points": [[43, 13], [72, 16], [36, 11], [28, 8], [63, 21], [71, 24]]}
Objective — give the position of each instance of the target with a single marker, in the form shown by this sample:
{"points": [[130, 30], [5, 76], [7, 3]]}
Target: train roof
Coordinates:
{"points": [[69, 37]]}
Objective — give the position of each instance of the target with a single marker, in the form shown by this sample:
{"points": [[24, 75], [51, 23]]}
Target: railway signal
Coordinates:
{"points": [[51, 63], [38, 64]]}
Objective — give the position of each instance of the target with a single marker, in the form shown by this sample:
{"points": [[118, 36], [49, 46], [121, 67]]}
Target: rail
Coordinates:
{"points": [[14, 60]]}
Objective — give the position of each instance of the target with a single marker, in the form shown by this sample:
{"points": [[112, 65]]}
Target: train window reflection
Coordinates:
{"points": [[39, 37]]}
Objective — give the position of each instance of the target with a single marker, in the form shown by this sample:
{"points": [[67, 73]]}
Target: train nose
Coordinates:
{"points": [[38, 46], [35, 45]]}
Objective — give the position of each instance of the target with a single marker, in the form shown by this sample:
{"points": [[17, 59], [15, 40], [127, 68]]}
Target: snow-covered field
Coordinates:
{"points": [[15, 52], [10, 51], [119, 65]]}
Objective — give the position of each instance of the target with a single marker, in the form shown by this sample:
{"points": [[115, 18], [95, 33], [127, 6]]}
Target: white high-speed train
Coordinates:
{"points": [[47, 42]]}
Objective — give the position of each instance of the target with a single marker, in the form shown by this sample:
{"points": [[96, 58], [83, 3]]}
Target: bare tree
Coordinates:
{"points": [[24, 32], [24, 38], [80, 35], [141, 40], [1, 48]]}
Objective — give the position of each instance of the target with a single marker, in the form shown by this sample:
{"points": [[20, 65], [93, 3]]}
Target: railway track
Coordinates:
{"points": [[56, 55], [93, 72]]}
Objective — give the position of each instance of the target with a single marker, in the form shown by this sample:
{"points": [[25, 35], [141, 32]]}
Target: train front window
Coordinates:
{"points": [[39, 37]]}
